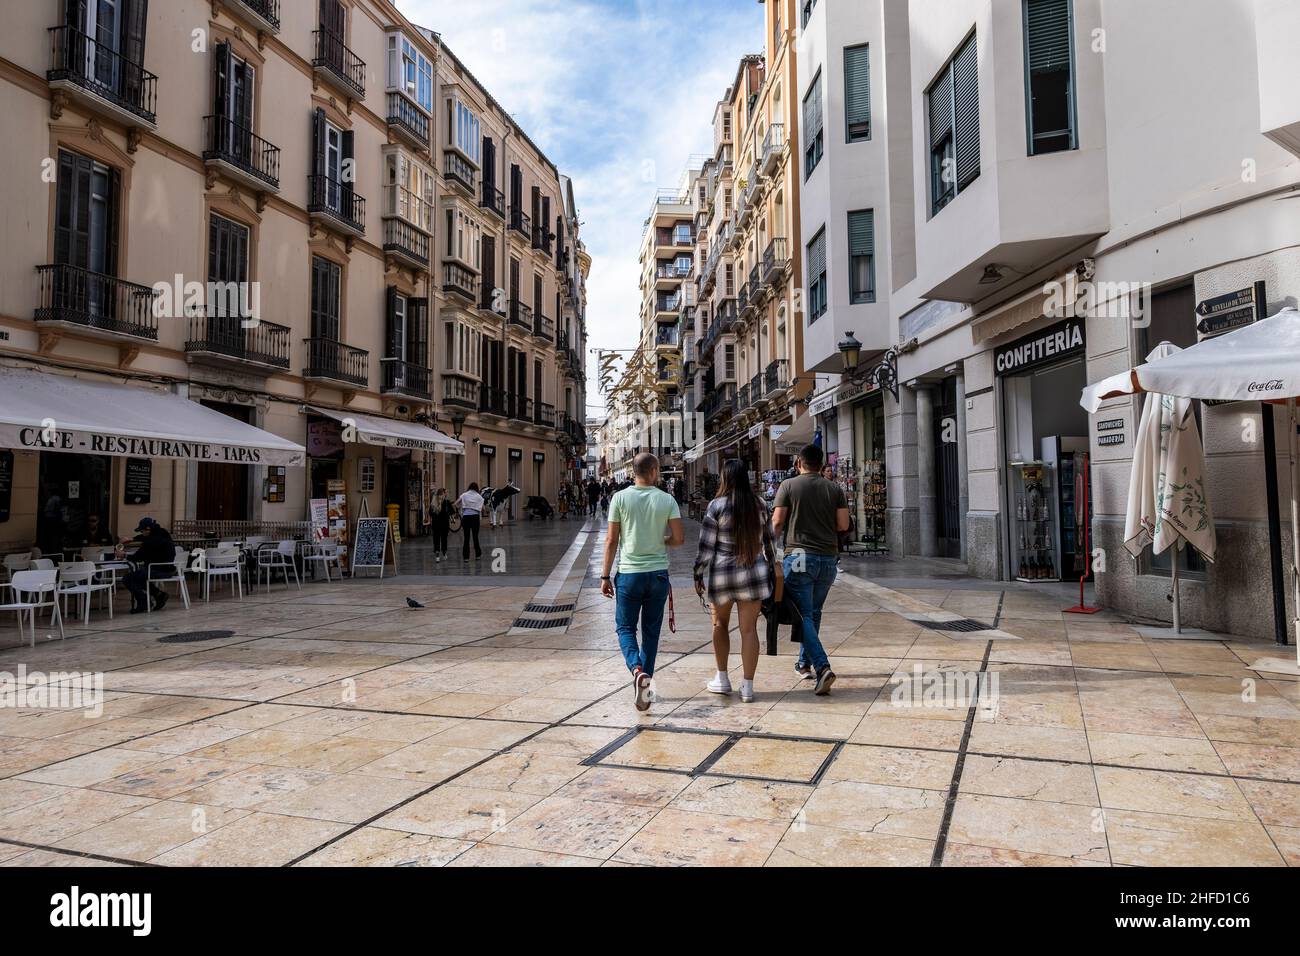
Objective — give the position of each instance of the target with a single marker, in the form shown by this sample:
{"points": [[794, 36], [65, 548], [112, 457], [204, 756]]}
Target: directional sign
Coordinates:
{"points": [[1223, 313]]}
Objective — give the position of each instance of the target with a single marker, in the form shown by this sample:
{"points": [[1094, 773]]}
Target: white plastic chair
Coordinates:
{"points": [[169, 573], [43, 564], [77, 579], [279, 558], [14, 563], [254, 542], [219, 563], [27, 588], [325, 553]]}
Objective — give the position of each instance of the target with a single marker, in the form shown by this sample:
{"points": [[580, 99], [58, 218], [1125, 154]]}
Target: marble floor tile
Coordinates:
{"points": [[1162, 839], [754, 799], [667, 751], [829, 846], [458, 812], [893, 766], [872, 808], [796, 761], [1029, 780], [257, 839], [373, 847], [689, 838], [1030, 826], [576, 827]]}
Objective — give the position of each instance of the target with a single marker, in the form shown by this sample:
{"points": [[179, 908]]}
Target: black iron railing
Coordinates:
{"points": [[456, 278], [775, 258], [521, 223], [96, 301], [521, 315], [541, 238], [458, 392], [493, 199], [228, 141], [260, 343], [98, 69], [519, 408], [406, 378], [337, 200], [404, 239], [543, 327], [333, 56], [457, 170], [406, 117], [332, 360], [268, 10], [492, 401], [544, 415], [777, 377]]}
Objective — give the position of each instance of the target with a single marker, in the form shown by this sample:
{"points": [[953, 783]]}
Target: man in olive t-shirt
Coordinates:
{"points": [[811, 512]]}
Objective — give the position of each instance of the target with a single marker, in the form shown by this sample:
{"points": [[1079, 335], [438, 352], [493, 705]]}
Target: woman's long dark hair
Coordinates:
{"points": [[746, 511]]}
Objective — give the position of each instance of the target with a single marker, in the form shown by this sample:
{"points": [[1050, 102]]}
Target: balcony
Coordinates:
{"points": [[333, 362], [406, 379], [457, 280], [576, 431], [519, 408], [338, 65], [493, 402], [408, 121], [773, 149], [458, 171], [756, 394], [336, 204], [776, 378], [101, 79], [521, 316], [541, 238], [666, 309], [262, 15], [493, 199], [225, 342], [240, 154], [544, 415], [776, 260], [459, 393], [742, 399], [669, 274], [105, 305], [726, 316], [744, 304], [668, 337], [403, 240], [720, 402], [543, 328], [521, 223]]}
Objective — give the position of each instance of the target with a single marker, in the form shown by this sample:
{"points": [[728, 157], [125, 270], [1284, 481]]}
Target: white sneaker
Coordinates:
{"points": [[746, 691], [721, 684]]}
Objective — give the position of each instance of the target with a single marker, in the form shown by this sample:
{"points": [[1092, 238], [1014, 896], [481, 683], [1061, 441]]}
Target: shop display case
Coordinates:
{"points": [[1034, 522]]}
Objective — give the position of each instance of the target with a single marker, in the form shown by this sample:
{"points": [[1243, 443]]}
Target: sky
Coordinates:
{"points": [[619, 94]]}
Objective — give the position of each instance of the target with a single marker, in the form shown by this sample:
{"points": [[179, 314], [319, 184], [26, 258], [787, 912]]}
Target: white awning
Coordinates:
{"points": [[794, 438], [46, 411], [390, 432]]}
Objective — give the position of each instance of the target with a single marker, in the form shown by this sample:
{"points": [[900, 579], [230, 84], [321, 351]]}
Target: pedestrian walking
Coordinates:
{"points": [[470, 505], [439, 521], [736, 568], [593, 495], [644, 523], [811, 512]]}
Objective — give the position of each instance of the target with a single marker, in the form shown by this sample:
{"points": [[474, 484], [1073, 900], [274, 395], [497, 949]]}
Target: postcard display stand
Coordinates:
{"points": [[874, 506], [1035, 523]]}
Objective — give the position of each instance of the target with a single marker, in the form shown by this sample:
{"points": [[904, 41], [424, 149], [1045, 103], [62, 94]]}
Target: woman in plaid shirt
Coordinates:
{"points": [[735, 567]]}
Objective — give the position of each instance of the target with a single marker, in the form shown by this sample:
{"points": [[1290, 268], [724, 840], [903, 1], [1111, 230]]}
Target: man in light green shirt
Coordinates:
{"points": [[644, 523]]}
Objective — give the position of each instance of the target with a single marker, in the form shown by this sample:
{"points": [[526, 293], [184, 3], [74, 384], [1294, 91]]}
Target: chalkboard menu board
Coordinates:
{"points": [[6, 483], [370, 549], [139, 481]]}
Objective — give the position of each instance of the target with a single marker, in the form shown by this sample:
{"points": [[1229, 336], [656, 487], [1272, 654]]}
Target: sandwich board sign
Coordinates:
{"points": [[370, 547]]}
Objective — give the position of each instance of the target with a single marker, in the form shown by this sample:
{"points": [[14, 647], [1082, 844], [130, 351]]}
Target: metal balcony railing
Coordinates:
{"points": [[334, 57], [521, 223], [773, 146], [332, 360], [262, 343], [96, 301], [406, 378], [407, 118], [229, 142], [541, 238], [519, 408], [756, 389], [456, 278], [492, 401], [457, 170], [742, 398], [92, 66], [775, 258], [544, 415], [493, 199], [267, 10], [543, 327], [402, 238], [460, 393], [337, 200], [777, 377], [521, 315]]}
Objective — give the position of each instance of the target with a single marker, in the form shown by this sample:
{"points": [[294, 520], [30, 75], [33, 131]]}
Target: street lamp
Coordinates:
{"points": [[458, 419], [884, 375]]}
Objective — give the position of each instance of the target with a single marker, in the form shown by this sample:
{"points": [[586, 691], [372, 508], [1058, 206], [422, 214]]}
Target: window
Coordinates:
{"points": [[954, 107], [817, 277], [333, 164], [85, 228], [465, 131], [326, 286], [729, 359], [228, 277], [1049, 76], [857, 94], [407, 327], [812, 124], [862, 256], [682, 234], [410, 71], [808, 6]]}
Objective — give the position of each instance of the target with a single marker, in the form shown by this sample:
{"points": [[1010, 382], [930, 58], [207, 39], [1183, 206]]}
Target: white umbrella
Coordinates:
{"points": [[1259, 362]]}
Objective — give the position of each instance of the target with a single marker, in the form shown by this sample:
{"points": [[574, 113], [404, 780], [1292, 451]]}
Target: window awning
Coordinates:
{"points": [[45, 411], [391, 433], [794, 438]]}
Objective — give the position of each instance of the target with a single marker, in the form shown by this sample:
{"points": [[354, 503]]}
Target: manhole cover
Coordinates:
{"points": [[190, 637], [965, 624]]}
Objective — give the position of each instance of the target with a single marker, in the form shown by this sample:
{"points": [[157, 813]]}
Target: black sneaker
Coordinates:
{"points": [[804, 671], [160, 601], [825, 678], [138, 610]]}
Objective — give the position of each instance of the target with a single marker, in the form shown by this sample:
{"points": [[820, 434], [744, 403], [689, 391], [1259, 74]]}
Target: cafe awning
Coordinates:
{"points": [[390, 432], [794, 438], [45, 411]]}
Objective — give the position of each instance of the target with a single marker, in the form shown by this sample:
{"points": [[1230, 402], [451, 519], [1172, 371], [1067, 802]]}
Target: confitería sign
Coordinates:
{"points": [[1043, 347]]}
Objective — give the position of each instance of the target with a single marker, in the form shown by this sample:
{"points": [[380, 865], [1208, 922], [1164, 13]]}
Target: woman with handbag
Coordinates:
{"points": [[439, 520], [736, 567]]}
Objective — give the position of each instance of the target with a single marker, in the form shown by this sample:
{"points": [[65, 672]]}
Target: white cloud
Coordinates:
{"points": [[618, 95]]}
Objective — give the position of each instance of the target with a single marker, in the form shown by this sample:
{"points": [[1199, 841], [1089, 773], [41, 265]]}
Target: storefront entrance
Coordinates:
{"points": [[868, 500], [72, 487], [223, 488]]}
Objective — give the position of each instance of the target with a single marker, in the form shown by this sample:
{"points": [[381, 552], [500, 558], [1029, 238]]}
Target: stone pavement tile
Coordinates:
{"points": [[1287, 841], [16, 794], [806, 723], [46, 858], [893, 766], [1161, 839], [152, 830], [258, 716], [374, 847], [1194, 754], [1020, 740], [569, 741], [755, 799], [256, 787], [458, 812], [486, 854], [688, 838], [258, 839], [58, 818], [1254, 760], [1111, 656], [171, 777], [1161, 791], [92, 768], [828, 846], [19, 754], [1247, 730], [893, 729], [456, 704], [713, 712], [666, 751], [336, 754], [868, 807], [403, 728], [535, 708], [343, 798], [259, 746], [577, 827], [1031, 826], [934, 648], [581, 689], [183, 740], [1029, 780], [774, 759], [8, 851], [1030, 651], [426, 761], [1276, 804], [486, 734], [646, 788], [964, 854], [536, 774], [328, 722]]}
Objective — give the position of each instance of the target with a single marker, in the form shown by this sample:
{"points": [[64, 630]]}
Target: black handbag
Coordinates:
{"points": [[777, 613]]}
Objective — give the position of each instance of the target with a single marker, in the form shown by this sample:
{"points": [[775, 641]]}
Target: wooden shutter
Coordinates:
{"points": [[392, 340], [1047, 29], [222, 61], [857, 91], [489, 163], [516, 186], [966, 113], [489, 267], [135, 15], [417, 332], [333, 17], [862, 233], [318, 145], [71, 210]]}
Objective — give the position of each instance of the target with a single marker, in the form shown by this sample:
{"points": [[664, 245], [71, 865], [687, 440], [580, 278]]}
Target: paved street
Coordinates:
{"points": [[337, 726]]}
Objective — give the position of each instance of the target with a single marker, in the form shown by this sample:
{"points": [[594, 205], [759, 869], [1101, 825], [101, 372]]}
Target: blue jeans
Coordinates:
{"points": [[640, 595], [808, 589]]}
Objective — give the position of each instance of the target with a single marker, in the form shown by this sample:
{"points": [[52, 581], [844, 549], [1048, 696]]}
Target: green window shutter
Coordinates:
{"points": [[862, 233], [1047, 24], [966, 111], [857, 92]]}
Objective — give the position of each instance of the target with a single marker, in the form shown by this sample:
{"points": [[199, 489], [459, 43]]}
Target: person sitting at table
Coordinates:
{"points": [[96, 532], [156, 547]]}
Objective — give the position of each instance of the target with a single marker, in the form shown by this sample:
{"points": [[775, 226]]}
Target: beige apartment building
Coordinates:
{"points": [[261, 253]]}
